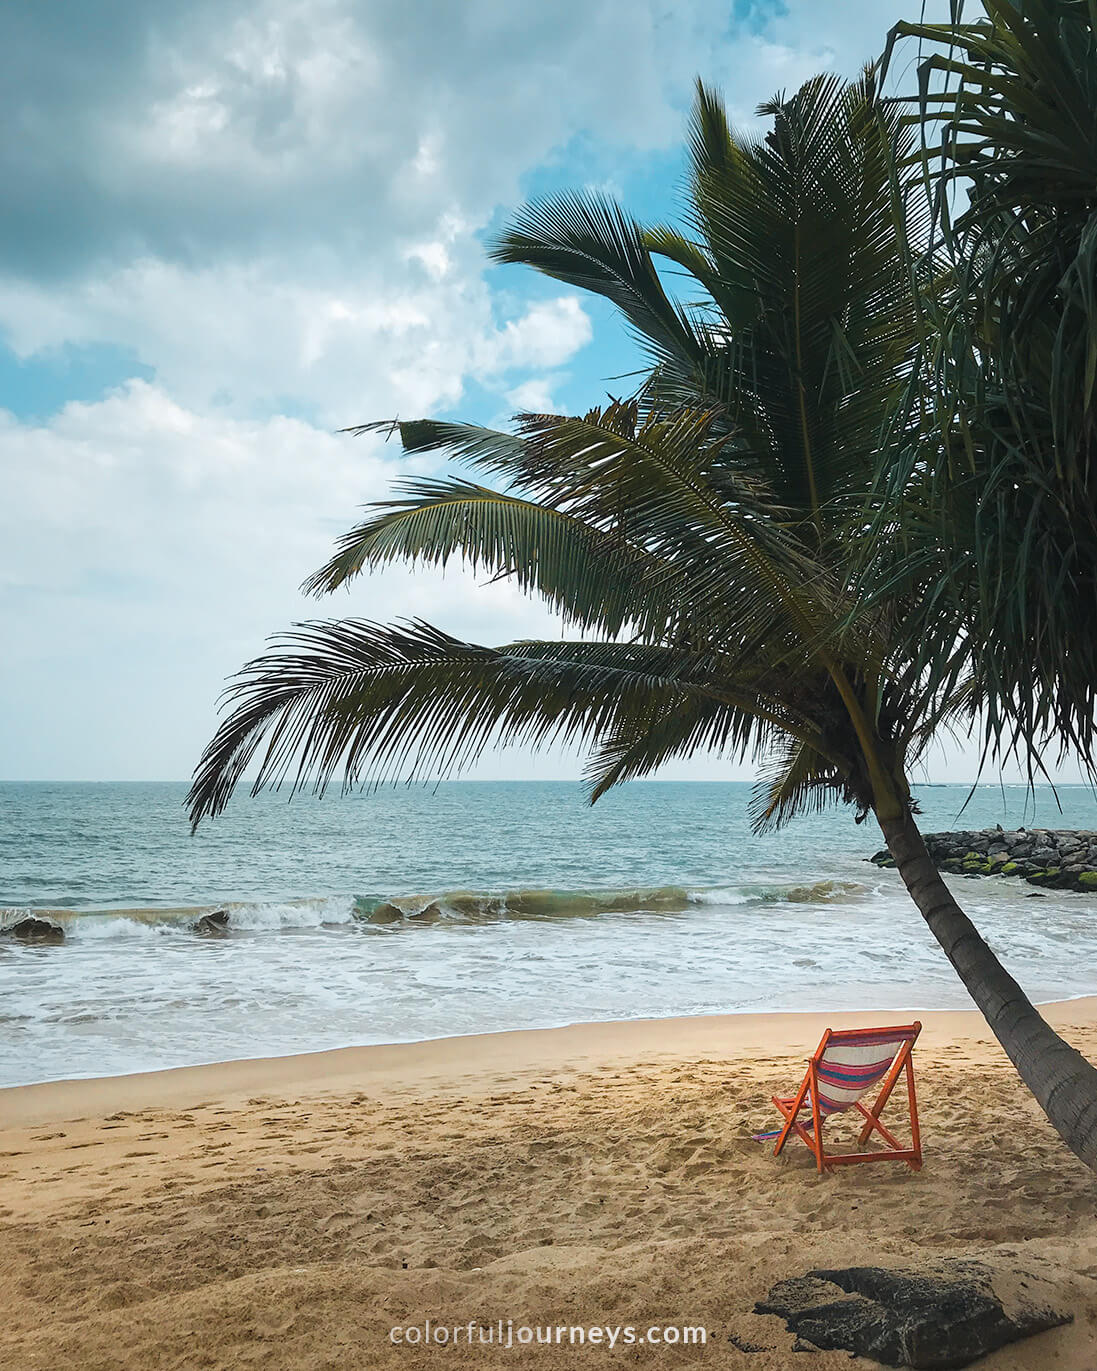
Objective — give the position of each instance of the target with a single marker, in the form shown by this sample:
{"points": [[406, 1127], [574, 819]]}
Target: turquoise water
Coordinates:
{"points": [[417, 913]]}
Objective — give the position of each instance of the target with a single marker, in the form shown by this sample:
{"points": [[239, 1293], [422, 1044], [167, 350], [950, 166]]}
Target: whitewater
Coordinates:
{"points": [[471, 907]]}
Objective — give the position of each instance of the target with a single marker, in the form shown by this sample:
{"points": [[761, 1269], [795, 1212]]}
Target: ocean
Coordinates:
{"points": [[475, 906]]}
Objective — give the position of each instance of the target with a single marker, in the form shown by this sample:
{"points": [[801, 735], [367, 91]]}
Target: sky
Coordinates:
{"points": [[233, 227]]}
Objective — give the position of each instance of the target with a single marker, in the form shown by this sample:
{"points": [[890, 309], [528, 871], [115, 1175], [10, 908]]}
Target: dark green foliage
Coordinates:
{"points": [[1003, 480]]}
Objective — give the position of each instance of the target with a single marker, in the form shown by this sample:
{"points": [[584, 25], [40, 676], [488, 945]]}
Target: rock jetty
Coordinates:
{"points": [[1054, 858]]}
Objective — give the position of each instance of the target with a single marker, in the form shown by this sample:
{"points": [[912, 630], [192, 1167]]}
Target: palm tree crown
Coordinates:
{"points": [[697, 535]]}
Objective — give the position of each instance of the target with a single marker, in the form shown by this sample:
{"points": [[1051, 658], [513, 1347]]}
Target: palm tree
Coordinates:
{"points": [[1006, 467], [696, 536]]}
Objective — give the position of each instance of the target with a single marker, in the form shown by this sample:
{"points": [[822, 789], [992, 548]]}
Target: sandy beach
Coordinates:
{"points": [[292, 1212]]}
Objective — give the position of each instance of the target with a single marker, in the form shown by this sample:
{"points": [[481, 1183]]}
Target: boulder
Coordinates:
{"points": [[32, 930], [936, 1318], [214, 924], [1054, 878]]}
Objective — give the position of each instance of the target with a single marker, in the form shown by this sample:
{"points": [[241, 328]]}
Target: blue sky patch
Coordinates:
{"points": [[37, 387]]}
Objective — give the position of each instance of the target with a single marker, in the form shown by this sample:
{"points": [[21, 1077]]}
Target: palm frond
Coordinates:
{"points": [[588, 241], [1003, 414], [593, 577], [657, 735], [797, 779], [675, 488], [796, 243], [739, 717], [357, 698]]}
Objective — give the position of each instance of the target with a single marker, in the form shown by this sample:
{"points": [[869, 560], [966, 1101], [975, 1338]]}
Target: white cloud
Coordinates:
{"points": [[533, 396], [249, 339], [149, 550], [278, 205], [242, 126]]}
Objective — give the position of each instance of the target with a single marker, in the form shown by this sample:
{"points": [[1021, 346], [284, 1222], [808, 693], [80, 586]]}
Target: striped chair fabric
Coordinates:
{"points": [[850, 1067]]}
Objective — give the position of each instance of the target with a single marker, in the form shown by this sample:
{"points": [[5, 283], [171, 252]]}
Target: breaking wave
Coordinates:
{"points": [[380, 913]]}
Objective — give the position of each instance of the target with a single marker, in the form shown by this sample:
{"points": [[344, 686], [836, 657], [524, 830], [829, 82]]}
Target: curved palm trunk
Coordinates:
{"points": [[1062, 1080]]}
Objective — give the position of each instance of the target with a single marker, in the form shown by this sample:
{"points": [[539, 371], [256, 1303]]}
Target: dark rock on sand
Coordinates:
{"points": [[213, 925], [31, 930], [935, 1319]]}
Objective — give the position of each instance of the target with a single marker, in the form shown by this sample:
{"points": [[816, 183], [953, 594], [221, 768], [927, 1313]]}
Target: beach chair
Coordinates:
{"points": [[846, 1065]]}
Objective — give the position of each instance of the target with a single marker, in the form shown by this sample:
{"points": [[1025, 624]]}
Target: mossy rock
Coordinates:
{"points": [[884, 861], [978, 868], [1053, 878], [1009, 868], [974, 857], [1088, 880]]}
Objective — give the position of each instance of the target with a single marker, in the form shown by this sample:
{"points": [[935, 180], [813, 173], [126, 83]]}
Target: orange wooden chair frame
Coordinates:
{"points": [[791, 1106]]}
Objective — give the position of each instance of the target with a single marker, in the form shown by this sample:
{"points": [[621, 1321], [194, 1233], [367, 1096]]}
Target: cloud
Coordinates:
{"points": [[533, 396], [246, 126], [149, 550], [278, 208], [249, 339], [278, 204]]}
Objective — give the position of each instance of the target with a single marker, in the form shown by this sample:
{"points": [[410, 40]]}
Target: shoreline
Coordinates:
{"points": [[478, 1062]]}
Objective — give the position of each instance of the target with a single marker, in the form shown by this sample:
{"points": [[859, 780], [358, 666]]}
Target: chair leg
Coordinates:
{"points": [[779, 1145], [790, 1117], [874, 1124], [915, 1132], [817, 1122]]}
